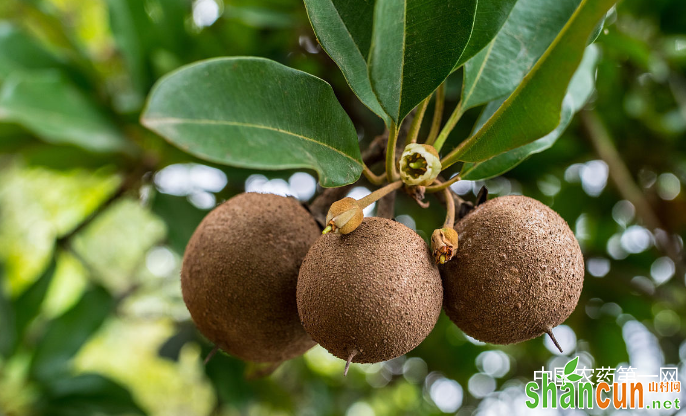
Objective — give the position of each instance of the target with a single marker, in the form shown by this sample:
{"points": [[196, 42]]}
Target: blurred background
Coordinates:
{"points": [[95, 212]]}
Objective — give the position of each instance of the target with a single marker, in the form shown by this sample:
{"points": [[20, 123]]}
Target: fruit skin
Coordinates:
{"points": [[240, 272], [518, 271], [375, 291]]}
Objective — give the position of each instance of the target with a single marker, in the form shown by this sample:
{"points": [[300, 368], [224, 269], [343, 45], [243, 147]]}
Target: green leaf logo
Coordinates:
{"points": [[570, 367]]}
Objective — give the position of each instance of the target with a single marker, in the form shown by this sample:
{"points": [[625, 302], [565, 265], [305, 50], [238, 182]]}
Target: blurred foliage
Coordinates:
{"points": [[93, 221]]}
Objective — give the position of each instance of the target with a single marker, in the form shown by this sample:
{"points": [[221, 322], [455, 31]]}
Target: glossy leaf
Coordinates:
{"points": [[67, 333], [415, 45], [88, 394], [579, 91], [50, 106], [256, 113], [344, 29], [497, 70], [489, 19], [533, 109]]}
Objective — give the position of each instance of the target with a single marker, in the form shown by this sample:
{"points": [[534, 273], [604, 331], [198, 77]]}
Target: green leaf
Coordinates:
{"points": [[28, 304], [533, 109], [67, 333], [579, 91], [415, 45], [18, 51], [344, 29], [88, 394], [570, 367], [489, 19], [574, 377], [496, 70], [256, 113], [55, 110]]}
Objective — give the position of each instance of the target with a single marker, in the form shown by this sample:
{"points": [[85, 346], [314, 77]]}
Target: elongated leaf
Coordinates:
{"points": [[256, 113], [18, 51], [344, 29], [415, 45], [28, 304], [497, 70], [67, 333], [49, 105], [489, 19], [579, 91], [533, 109]]}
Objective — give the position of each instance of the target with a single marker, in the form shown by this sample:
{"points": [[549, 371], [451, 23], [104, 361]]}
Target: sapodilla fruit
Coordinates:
{"points": [[240, 272], [371, 295], [518, 271]]}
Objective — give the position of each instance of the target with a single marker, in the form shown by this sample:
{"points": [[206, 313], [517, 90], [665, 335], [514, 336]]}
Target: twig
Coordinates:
{"points": [[126, 185]]}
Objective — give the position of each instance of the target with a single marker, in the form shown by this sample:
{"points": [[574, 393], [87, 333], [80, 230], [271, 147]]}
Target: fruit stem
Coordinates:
{"points": [[449, 125], [211, 354], [379, 193], [350, 360], [391, 171], [417, 122], [549, 331], [438, 114], [373, 178], [445, 185], [450, 206]]}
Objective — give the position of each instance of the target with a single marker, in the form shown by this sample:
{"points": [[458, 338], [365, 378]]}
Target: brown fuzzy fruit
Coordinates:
{"points": [[518, 271], [240, 273], [374, 293]]}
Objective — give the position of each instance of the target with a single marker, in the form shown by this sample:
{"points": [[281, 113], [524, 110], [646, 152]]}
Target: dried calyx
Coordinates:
{"points": [[346, 215], [443, 244], [419, 164], [444, 240]]}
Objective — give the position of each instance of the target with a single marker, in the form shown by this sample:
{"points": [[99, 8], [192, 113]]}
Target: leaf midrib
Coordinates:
{"points": [[150, 122], [347, 31]]}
